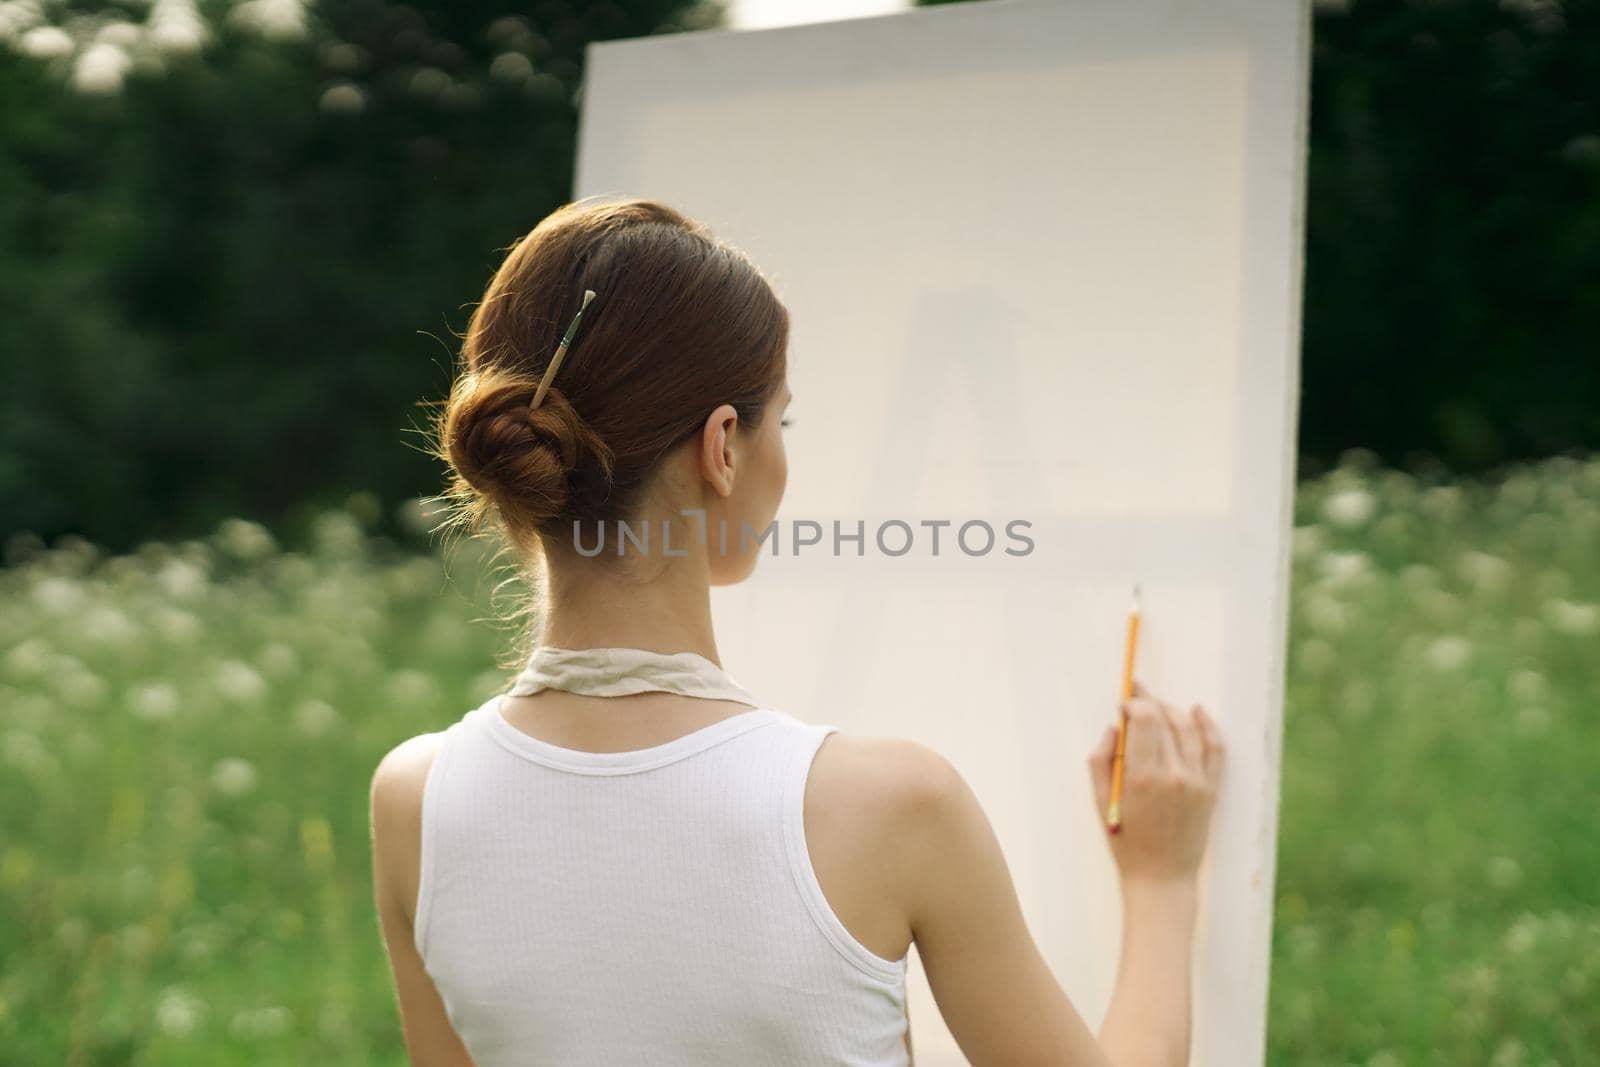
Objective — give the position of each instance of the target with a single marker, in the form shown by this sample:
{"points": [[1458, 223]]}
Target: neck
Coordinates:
{"points": [[660, 604]]}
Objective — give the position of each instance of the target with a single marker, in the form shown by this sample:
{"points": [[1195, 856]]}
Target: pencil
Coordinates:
{"points": [[1114, 808]]}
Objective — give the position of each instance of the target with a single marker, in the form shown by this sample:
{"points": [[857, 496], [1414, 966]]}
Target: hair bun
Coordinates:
{"points": [[522, 459], [686, 323]]}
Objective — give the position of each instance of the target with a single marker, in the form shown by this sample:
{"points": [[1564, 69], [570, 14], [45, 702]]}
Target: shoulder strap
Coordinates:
{"points": [[794, 832], [432, 786]]}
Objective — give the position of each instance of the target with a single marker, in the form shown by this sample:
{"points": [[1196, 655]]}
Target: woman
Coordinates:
{"points": [[628, 859]]}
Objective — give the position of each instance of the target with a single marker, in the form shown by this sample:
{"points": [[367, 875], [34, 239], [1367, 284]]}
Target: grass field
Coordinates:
{"points": [[187, 734]]}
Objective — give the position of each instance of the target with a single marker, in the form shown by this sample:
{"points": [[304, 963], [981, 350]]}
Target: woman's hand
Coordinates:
{"points": [[1173, 766]]}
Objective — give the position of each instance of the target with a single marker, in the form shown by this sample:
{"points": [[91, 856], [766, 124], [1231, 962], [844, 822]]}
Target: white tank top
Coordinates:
{"points": [[656, 906]]}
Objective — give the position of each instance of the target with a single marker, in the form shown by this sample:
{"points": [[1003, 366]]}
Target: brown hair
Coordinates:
{"points": [[681, 322]]}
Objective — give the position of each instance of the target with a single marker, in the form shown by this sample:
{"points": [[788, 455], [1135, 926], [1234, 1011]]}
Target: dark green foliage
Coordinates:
{"points": [[1453, 244], [223, 298]]}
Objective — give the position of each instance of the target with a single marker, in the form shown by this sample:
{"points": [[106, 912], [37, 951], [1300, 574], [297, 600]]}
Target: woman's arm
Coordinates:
{"points": [[996, 993], [396, 850], [1174, 765], [1148, 1019]]}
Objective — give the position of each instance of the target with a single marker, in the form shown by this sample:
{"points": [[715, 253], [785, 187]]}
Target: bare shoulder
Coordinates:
{"points": [[401, 774], [898, 798], [893, 775], [925, 818], [868, 801], [397, 788]]}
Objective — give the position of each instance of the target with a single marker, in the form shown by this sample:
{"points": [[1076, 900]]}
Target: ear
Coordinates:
{"points": [[717, 460]]}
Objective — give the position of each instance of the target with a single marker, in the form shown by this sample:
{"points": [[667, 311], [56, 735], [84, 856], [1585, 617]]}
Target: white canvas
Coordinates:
{"points": [[1043, 263]]}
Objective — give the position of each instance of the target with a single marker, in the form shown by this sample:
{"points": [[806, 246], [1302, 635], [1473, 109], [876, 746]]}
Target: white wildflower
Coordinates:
{"points": [[314, 718], [1504, 872], [59, 596], [233, 776], [1315, 656], [29, 659], [346, 98], [181, 579], [460, 96], [1487, 572], [426, 82], [17, 16], [100, 68], [118, 31], [1523, 934], [153, 701], [1349, 508], [240, 682], [179, 1012], [107, 625], [1448, 653], [46, 42], [344, 57], [175, 26], [1442, 501], [513, 68], [81, 687], [261, 1022], [338, 534], [1341, 567], [1511, 1053], [243, 539], [1325, 613], [1521, 489], [410, 686], [283, 20], [278, 659], [1304, 940], [1307, 541], [176, 626], [1478, 981], [1572, 618]]}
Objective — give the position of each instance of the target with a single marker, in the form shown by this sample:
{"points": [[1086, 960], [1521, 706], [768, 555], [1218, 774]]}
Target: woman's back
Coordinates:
{"points": [[657, 905], [660, 891]]}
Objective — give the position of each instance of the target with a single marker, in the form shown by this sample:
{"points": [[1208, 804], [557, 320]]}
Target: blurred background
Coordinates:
{"points": [[238, 241]]}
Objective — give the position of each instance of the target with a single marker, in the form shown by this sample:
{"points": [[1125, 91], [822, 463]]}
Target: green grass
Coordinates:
{"points": [[1439, 863], [187, 734]]}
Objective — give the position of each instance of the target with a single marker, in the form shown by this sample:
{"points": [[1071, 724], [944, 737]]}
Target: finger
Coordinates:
{"points": [[1100, 764], [1150, 744], [1211, 737], [1169, 716], [1186, 736], [1104, 749]]}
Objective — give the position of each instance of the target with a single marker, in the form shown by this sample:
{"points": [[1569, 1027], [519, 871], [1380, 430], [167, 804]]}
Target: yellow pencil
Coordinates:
{"points": [[1114, 808]]}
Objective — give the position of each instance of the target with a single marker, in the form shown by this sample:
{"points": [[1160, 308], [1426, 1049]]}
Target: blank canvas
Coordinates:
{"points": [[1043, 264]]}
